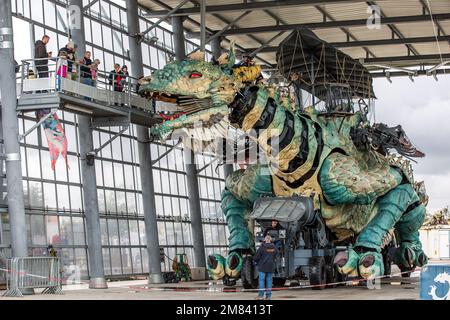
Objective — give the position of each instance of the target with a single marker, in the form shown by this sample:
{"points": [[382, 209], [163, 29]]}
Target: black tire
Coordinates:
{"points": [[278, 282], [406, 271], [332, 275], [387, 263], [229, 282], [318, 273], [249, 275]]}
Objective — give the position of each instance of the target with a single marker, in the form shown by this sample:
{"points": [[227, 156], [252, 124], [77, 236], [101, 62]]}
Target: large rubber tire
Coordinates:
{"points": [[406, 271], [387, 263], [333, 276], [227, 282], [279, 282], [318, 273], [249, 275]]}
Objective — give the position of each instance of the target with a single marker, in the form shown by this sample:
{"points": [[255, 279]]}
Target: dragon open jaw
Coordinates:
{"points": [[190, 112]]}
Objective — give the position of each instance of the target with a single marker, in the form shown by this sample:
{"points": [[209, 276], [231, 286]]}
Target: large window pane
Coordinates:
{"points": [[53, 236], [78, 231], [113, 232], [35, 194], [123, 232], [49, 195], [38, 230], [65, 227]]}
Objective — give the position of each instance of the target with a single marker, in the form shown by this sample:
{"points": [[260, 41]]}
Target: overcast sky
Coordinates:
{"points": [[422, 107]]}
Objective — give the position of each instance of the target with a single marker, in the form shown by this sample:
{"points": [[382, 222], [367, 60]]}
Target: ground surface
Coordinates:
{"points": [[393, 288]]}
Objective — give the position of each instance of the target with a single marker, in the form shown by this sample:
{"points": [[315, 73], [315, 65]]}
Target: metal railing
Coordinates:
{"points": [[65, 76], [32, 273]]}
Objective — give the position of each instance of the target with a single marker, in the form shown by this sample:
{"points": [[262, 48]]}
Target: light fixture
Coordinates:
{"points": [[388, 76], [435, 75]]}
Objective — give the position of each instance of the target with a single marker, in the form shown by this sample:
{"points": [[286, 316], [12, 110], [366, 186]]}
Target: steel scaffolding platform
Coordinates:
{"points": [[105, 106]]}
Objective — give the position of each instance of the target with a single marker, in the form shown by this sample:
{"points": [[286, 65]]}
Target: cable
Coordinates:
{"points": [[435, 33]]}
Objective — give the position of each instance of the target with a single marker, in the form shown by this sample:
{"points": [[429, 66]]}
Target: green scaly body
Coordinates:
{"points": [[359, 194]]}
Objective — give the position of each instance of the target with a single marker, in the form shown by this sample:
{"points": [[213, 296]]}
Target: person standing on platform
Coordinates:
{"points": [[40, 52]]}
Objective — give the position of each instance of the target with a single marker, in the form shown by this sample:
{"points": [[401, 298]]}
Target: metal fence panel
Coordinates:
{"points": [[33, 273]]}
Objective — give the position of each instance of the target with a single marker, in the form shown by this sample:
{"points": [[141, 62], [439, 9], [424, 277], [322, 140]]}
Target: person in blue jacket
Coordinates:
{"points": [[265, 261]]}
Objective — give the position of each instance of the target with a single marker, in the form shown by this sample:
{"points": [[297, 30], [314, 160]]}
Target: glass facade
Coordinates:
{"points": [[54, 200]]}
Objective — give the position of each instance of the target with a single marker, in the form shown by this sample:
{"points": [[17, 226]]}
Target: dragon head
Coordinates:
{"points": [[201, 91], [442, 277]]}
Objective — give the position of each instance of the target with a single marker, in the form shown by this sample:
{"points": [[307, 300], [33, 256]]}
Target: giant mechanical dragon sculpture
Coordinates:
{"points": [[362, 192]]}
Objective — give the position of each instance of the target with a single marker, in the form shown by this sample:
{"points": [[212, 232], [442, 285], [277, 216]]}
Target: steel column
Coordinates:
{"points": [[16, 206], [191, 170], [95, 256], [1, 169], [145, 159], [217, 51], [215, 47]]}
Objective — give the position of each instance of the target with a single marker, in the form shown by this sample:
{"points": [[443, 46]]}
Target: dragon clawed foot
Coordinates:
{"points": [[219, 267], [366, 264], [410, 255]]}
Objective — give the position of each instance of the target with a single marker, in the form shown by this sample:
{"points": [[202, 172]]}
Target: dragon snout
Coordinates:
{"points": [[145, 81]]}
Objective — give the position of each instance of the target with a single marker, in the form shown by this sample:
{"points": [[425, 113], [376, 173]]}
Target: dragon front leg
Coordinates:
{"points": [[242, 189], [399, 209], [410, 253]]}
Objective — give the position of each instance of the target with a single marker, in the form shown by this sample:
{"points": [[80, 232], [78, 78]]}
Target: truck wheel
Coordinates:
{"points": [[406, 271], [317, 273], [249, 275], [228, 282], [387, 262], [279, 282]]}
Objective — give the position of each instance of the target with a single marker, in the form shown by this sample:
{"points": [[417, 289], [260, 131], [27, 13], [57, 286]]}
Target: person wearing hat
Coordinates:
{"points": [[69, 53]]}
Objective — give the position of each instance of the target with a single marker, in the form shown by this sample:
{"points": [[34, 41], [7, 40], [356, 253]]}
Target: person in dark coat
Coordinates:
{"points": [[265, 261], [115, 78], [40, 52], [273, 229]]}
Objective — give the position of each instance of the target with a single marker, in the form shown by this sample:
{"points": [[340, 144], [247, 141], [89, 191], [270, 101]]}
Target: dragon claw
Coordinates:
{"points": [[216, 266], [233, 265], [347, 262], [367, 264], [410, 255], [371, 265]]}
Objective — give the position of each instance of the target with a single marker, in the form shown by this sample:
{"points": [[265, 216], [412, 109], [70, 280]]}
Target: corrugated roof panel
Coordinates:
{"points": [[297, 14], [395, 8], [346, 11], [395, 50], [342, 11], [355, 53], [440, 6], [432, 48], [416, 29], [364, 33], [446, 26], [331, 35]]}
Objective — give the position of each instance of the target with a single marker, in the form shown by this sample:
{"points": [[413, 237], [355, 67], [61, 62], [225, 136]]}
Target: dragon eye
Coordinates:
{"points": [[195, 74]]}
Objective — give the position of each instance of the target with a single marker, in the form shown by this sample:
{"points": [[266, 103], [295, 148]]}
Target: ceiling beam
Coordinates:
{"points": [[421, 58], [241, 49], [395, 30], [406, 74], [238, 7], [369, 43], [329, 24]]}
